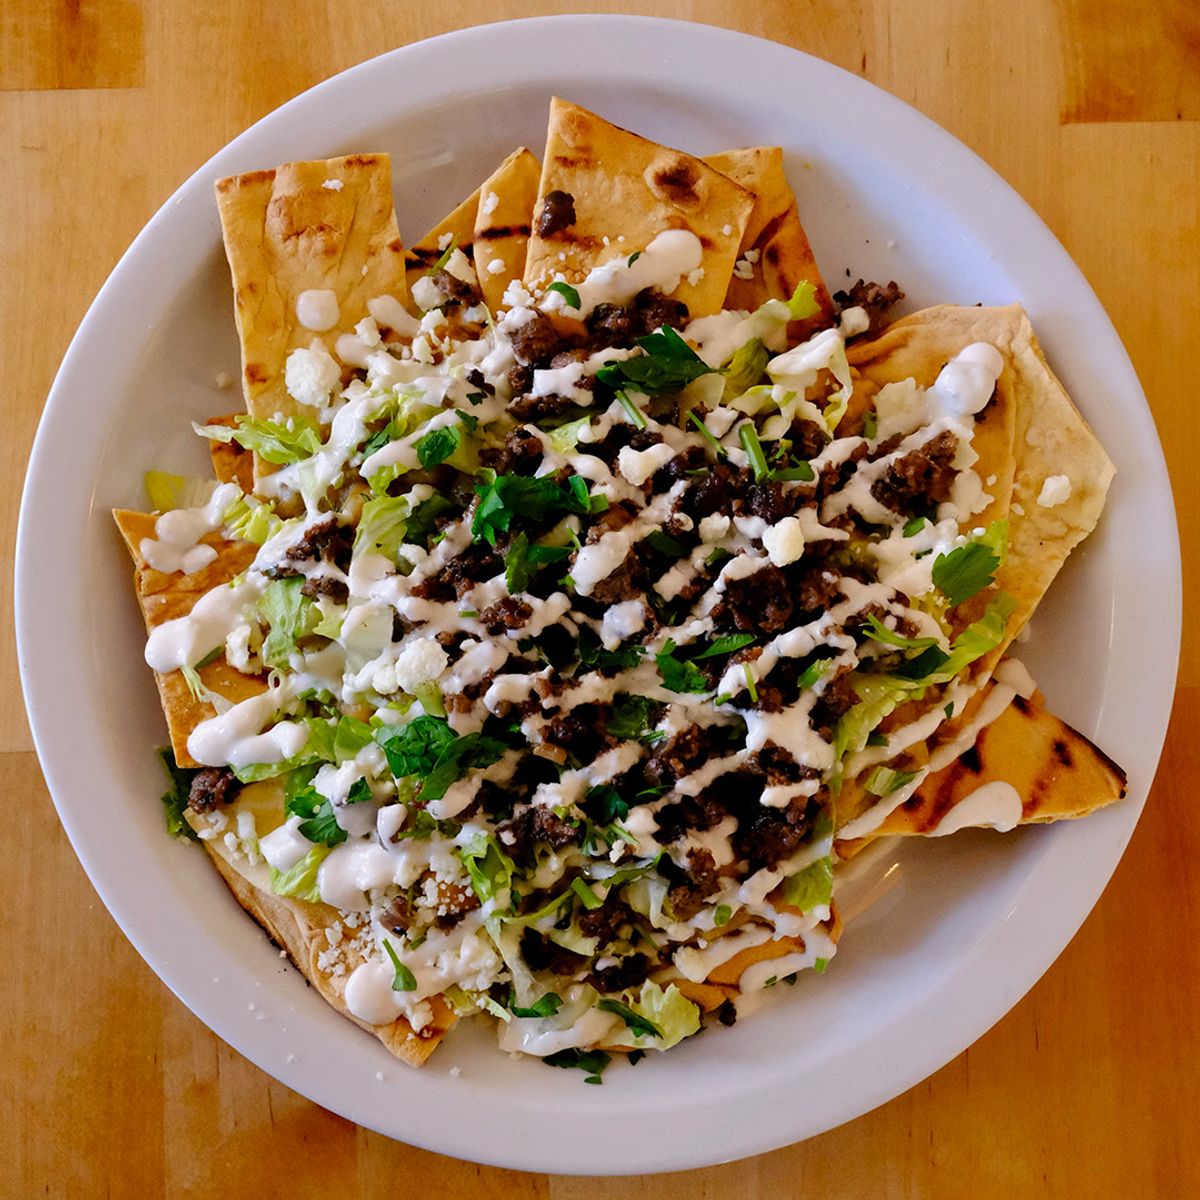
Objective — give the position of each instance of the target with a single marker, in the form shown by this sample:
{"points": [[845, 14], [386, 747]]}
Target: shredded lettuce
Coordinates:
{"points": [[252, 520], [566, 437], [300, 881], [290, 614], [382, 526], [745, 368], [670, 1012], [811, 887], [277, 442], [165, 491], [175, 799], [490, 869]]}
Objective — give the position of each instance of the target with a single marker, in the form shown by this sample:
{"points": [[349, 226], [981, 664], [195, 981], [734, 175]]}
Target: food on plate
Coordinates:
{"points": [[581, 587]]}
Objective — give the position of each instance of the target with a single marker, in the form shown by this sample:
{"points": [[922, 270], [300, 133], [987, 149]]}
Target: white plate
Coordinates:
{"points": [[975, 919]]}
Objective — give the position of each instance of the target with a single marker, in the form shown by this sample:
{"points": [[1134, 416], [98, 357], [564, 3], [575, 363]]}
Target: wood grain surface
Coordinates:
{"points": [[1089, 1088]]}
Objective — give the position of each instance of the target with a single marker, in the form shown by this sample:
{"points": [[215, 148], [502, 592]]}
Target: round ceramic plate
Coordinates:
{"points": [[967, 923]]}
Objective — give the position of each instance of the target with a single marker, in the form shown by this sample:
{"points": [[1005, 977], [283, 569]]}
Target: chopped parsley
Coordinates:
{"points": [[566, 291], [968, 569], [591, 1061], [524, 558], [536, 498], [545, 1006], [403, 979], [668, 365], [640, 1026], [437, 445], [679, 675]]}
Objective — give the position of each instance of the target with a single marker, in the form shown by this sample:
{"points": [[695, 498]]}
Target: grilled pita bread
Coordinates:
{"points": [[305, 930], [287, 232], [1058, 773], [782, 257], [163, 596], [502, 224], [457, 229], [620, 181]]}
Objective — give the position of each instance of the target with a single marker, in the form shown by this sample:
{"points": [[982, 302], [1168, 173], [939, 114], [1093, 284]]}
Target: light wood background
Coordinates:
{"points": [[1089, 1088]]}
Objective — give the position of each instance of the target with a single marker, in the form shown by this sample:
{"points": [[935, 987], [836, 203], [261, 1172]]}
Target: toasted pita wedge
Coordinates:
{"points": [[627, 190], [1058, 773], [783, 257], [1029, 431], [458, 227], [502, 224], [299, 927], [165, 596], [231, 463], [286, 233]]}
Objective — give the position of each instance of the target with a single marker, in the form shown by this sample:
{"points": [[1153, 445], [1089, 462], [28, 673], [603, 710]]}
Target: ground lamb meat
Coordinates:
{"points": [[326, 539], [714, 492], [779, 767], [625, 973], [766, 836], [808, 438], [875, 298], [579, 731], [459, 291], [532, 409], [687, 899], [558, 213], [476, 380], [680, 756], [399, 915], [627, 582], [520, 378], [813, 588], [326, 585], [921, 478], [521, 454], [772, 502], [544, 955], [838, 697], [532, 826], [622, 324], [537, 341], [509, 613], [759, 603], [605, 923], [453, 581], [212, 786]]}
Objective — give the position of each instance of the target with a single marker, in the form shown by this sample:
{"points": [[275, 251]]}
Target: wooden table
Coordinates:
{"points": [[1091, 108]]}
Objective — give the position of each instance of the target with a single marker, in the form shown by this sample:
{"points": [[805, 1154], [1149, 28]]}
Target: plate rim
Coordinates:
{"points": [[520, 1156]]}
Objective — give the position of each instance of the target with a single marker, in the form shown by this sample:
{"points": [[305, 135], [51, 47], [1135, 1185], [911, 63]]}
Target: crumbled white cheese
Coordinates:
{"points": [[311, 375], [695, 276], [726, 230], [444, 240], [639, 465], [368, 332], [496, 267], [743, 268], [854, 321], [419, 662], [489, 203], [427, 295], [1056, 490], [784, 542], [713, 528], [333, 185]]}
